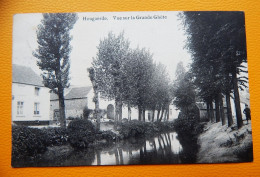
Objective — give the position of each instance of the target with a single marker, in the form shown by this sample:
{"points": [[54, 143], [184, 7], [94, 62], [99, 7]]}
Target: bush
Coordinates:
{"points": [[56, 136], [86, 113], [132, 129], [109, 135], [81, 133], [28, 142], [188, 126], [136, 128]]}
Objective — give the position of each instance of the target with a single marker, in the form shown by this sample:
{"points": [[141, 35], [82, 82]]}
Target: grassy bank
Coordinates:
{"points": [[225, 144]]}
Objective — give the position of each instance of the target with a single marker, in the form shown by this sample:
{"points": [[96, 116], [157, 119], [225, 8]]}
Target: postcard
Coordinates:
{"points": [[130, 88]]}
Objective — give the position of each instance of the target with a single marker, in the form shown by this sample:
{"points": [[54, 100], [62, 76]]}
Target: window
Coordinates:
{"points": [[20, 107], [170, 112], [36, 91], [36, 108]]}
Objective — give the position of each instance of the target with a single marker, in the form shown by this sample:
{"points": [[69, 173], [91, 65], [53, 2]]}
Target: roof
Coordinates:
{"points": [[74, 93], [25, 75]]}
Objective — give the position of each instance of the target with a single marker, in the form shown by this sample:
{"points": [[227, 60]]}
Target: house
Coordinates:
{"points": [[76, 98], [30, 99]]}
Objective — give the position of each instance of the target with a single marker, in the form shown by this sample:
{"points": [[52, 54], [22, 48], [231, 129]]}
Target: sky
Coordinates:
{"points": [[160, 32]]}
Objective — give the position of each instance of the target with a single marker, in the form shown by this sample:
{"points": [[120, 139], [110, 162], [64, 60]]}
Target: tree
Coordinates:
{"points": [[142, 67], [92, 76], [184, 92], [53, 53], [107, 65], [216, 41]]}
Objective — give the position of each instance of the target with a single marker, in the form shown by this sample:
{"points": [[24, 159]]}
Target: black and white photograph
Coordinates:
{"points": [[130, 88]]}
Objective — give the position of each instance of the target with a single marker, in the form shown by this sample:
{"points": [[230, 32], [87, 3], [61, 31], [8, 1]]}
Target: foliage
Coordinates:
{"points": [[53, 52], [132, 129], [216, 41], [188, 126], [184, 92], [86, 112], [106, 73], [81, 133], [56, 136], [129, 76], [27, 142], [136, 128], [109, 136]]}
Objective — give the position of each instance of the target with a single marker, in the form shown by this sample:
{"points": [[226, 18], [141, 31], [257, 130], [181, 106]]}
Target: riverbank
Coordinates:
{"points": [[219, 144], [29, 144]]}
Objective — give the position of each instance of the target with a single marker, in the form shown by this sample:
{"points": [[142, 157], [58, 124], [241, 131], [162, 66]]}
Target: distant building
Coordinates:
{"points": [[76, 98], [30, 99], [244, 99]]}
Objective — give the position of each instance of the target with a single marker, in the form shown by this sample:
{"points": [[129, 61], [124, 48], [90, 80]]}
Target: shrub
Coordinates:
{"points": [[81, 133], [109, 135], [188, 126], [86, 113], [56, 136], [27, 142], [136, 128], [132, 129]]}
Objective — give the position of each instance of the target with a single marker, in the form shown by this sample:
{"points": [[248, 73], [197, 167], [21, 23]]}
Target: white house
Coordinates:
{"points": [[76, 98], [30, 99]]}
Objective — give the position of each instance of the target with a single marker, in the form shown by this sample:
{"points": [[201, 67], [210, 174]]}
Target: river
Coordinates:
{"points": [[166, 148]]}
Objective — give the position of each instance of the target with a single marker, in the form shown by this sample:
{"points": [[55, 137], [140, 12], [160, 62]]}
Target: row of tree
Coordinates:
{"points": [[217, 43], [130, 77]]}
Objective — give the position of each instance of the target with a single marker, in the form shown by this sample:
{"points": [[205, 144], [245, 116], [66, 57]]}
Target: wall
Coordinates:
{"points": [[26, 93], [73, 107]]}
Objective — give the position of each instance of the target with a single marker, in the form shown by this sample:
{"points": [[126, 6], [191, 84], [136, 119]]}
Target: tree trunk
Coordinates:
{"points": [[222, 115], [217, 108], [229, 111], [62, 107], [98, 158], [153, 115], [161, 115], [116, 113], [165, 114], [97, 116], [116, 156], [139, 113], [168, 113], [120, 110], [143, 114], [208, 112], [211, 112], [237, 100], [158, 114], [121, 157], [129, 112]]}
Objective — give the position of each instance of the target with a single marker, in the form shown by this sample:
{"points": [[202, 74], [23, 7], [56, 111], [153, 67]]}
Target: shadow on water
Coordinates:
{"points": [[166, 148], [190, 148]]}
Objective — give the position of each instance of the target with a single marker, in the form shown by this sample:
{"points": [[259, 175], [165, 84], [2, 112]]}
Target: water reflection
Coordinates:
{"points": [[164, 148]]}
